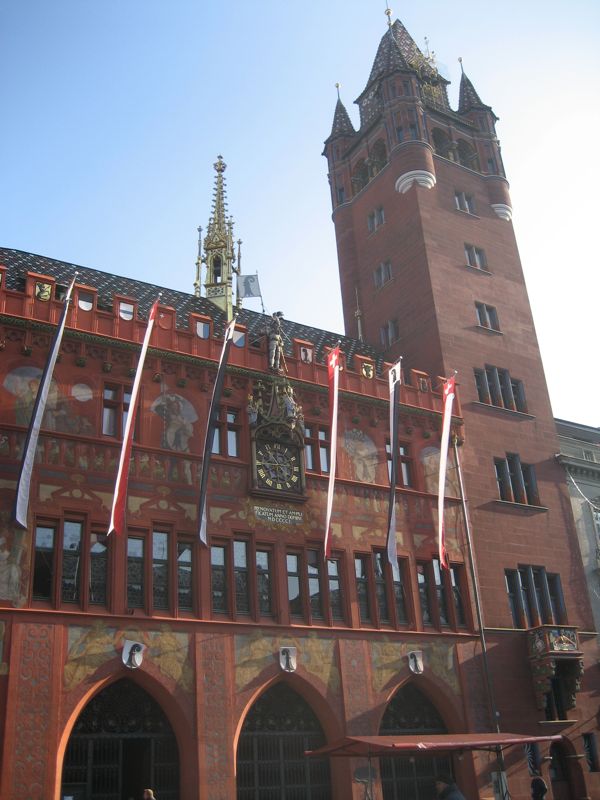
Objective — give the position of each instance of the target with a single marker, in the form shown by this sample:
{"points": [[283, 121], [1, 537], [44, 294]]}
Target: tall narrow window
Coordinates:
{"points": [[294, 585], [226, 439], [389, 332], [399, 593], [535, 597], [361, 565], [98, 568], [71, 561], [440, 593], [591, 751], [184, 576], [336, 599], [135, 572], [516, 481], [459, 607], [314, 584], [160, 570], [43, 567], [218, 577], [423, 583], [405, 465], [240, 574], [383, 610], [263, 579]]}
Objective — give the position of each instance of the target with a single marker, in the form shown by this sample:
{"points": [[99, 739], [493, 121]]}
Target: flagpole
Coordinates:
{"points": [[482, 639]]}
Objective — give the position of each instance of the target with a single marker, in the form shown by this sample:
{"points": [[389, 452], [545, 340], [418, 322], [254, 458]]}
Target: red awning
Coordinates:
{"points": [[401, 745]]}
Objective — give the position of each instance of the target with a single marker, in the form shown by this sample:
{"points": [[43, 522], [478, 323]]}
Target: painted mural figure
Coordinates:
{"points": [[179, 416]]}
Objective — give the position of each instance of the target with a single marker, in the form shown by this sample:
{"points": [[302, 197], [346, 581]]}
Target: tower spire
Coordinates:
{"points": [[218, 248]]}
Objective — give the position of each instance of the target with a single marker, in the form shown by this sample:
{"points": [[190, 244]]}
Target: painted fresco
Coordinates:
{"points": [[255, 652], [388, 661], [90, 647], [68, 409], [178, 416], [15, 547], [363, 455]]}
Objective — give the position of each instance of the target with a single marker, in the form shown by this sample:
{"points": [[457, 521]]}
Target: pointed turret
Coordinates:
{"points": [[468, 97], [219, 253], [342, 124]]}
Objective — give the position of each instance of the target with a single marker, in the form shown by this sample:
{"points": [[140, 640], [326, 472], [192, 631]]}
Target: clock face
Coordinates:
{"points": [[278, 467]]}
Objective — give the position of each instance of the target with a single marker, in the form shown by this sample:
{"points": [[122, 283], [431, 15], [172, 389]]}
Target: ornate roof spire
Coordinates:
{"points": [[219, 253]]}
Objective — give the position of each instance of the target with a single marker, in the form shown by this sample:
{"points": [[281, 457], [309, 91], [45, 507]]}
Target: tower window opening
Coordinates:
{"points": [[467, 155], [475, 257], [464, 202], [217, 269]]}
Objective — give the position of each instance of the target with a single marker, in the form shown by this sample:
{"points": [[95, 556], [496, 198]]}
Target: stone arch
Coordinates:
{"points": [[119, 741], [410, 711], [565, 773], [278, 727], [467, 155], [360, 176]]}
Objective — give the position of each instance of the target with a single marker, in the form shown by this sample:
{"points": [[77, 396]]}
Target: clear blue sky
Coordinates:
{"points": [[114, 111]]}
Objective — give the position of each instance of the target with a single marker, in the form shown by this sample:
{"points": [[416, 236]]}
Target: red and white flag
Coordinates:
{"points": [[117, 516], [35, 424], [333, 374], [448, 393], [395, 381]]}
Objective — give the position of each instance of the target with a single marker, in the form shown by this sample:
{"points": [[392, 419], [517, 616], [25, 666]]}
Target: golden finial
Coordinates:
{"points": [[388, 13], [337, 86], [461, 66], [219, 165]]}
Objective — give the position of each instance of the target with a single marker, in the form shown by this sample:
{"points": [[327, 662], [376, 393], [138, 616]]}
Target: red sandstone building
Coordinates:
{"points": [[255, 648]]}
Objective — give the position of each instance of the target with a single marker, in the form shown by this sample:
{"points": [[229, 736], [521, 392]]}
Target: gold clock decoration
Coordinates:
{"points": [[278, 466]]}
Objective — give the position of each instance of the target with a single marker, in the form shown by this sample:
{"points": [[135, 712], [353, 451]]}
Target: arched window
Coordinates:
{"points": [[410, 712], [378, 157], [122, 742], [360, 176], [271, 764], [467, 155], [441, 143]]}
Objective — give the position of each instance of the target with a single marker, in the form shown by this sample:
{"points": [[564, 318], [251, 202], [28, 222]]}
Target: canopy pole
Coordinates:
{"points": [[486, 670]]}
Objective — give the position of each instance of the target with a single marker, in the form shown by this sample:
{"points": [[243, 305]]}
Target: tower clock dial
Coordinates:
{"points": [[278, 467]]}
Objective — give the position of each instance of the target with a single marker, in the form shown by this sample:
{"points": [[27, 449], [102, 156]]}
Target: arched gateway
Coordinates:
{"points": [[121, 743], [404, 777], [271, 764]]}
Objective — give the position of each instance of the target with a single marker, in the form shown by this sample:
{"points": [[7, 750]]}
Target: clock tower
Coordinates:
{"points": [[430, 271]]}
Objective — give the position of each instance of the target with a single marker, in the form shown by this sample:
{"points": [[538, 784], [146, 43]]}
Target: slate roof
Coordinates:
{"points": [[19, 263], [397, 51]]}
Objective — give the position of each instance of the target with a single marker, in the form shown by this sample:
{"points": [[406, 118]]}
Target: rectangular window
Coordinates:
{"points": [[160, 570], [382, 274], [383, 611], [475, 257], [535, 597], [43, 567], [341, 194], [496, 387], [294, 585], [263, 581], [336, 598], [240, 574], [459, 608], [135, 572], [389, 333], [424, 583], [464, 202], [185, 598], [316, 448], [591, 751], [361, 571], [516, 481], [71, 557], [440, 593], [399, 133], [226, 439], [405, 465], [218, 579], [313, 567], [487, 316], [375, 218], [371, 221], [115, 408], [98, 568]]}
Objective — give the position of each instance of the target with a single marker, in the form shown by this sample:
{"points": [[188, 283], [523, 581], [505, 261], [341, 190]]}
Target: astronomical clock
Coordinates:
{"points": [[277, 430]]}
